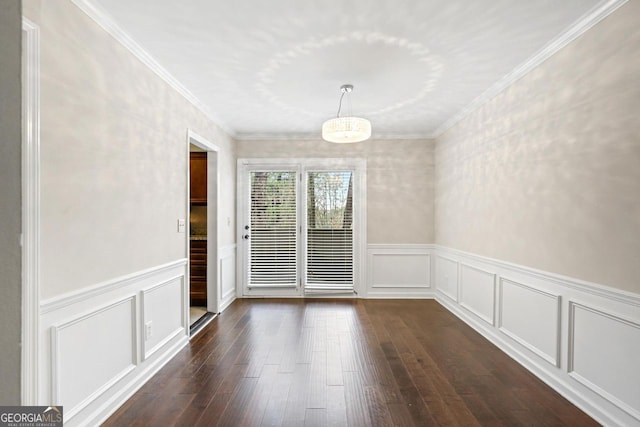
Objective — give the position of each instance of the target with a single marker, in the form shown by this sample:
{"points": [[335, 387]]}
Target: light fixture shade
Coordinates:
{"points": [[345, 130]]}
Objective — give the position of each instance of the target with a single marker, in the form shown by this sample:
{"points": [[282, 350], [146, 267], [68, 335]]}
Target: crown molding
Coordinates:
{"points": [[104, 20], [588, 20], [315, 136]]}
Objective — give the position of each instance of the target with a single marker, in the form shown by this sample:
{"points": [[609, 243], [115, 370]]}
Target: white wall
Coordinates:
{"points": [[113, 156], [546, 173], [10, 194]]}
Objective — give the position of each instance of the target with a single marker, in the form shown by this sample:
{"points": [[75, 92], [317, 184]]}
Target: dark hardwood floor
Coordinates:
{"points": [[343, 362]]}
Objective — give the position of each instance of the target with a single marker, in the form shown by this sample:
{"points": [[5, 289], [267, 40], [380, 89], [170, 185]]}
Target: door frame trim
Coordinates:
{"points": [[213, 221], [358, 165], [30, 212]]}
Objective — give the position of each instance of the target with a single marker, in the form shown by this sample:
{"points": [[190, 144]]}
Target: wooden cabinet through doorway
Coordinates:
{"points": [[198, 273], [198, 181]]}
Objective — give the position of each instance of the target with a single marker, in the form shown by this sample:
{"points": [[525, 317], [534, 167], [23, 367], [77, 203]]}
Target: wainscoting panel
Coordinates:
{"points": [[531, 317], [227, 275], [477, 292], [93, 353], [398, 271], [105, 338], [447, 277], [581, 338], [162, 319], [604, 350]]}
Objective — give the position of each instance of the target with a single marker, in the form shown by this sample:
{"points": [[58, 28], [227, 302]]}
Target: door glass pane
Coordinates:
{"points": [[329, 231], [272, 233]]}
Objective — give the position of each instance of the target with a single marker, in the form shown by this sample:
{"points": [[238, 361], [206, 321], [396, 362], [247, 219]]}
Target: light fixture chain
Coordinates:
{"points": [[340, 104]]}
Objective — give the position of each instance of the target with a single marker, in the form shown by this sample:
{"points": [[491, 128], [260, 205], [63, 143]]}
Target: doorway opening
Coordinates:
{"points": [[202, 238]]}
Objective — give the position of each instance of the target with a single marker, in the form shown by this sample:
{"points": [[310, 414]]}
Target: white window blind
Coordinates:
{"points": [[272, 232], [329, 231]]}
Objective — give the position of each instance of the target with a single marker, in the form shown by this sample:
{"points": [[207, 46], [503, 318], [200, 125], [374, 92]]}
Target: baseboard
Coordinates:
{"points": [[401, 295], [227, 300], [552, 325]]}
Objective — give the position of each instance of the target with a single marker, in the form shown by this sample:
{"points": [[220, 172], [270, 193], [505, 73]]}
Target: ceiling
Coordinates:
{"points": [[273, 69]]}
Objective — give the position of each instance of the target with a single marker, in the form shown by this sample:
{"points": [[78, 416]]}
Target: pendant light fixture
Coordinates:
{"points": [[346, 129]]}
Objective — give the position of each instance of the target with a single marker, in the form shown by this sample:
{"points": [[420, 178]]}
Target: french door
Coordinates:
{"points": [[300, 226]]}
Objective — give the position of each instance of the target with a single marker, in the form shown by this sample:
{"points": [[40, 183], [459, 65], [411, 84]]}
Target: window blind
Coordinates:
{"points": [[329, 232], [273, 250]]}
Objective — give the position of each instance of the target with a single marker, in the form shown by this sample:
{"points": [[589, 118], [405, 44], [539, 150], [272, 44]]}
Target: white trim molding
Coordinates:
{"points": [[30, 210], [527, 327], [75, 297], [214, 293], [479, 296], [94, 354], [399, 271], [227, 268], [164, 312], [314, 136], [82, 367], [200, 141], [580, 338], [446, 277], [592, 344]]}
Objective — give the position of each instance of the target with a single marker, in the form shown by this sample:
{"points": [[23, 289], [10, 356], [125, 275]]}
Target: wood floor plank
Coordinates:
{"points": [[257, 406], [316, 389], [221, 397], [237, 406], [297, 397], [274, 412], [336, 406], [334, 363], [400, 415], [356, 400], [285, 362], [315, 417], [130, 412]]}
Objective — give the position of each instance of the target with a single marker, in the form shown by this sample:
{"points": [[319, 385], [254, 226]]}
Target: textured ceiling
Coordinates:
{"points": [[272, 69]]}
